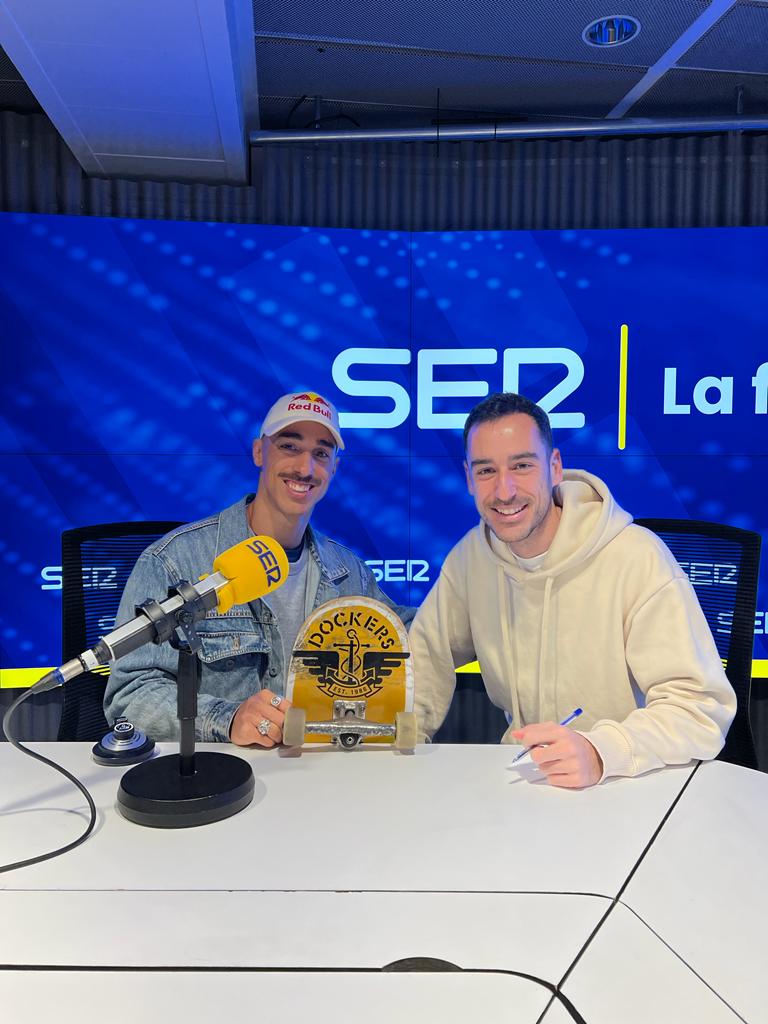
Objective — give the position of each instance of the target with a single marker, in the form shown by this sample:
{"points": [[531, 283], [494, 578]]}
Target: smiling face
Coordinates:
{"points": [[510, 474], [297, 465]]}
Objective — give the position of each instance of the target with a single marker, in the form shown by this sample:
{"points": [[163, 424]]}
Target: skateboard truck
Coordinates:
{"points": [[349, 726]]}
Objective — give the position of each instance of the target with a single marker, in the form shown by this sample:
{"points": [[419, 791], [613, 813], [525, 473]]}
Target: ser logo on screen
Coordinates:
{"points": [[429, 386], [399, 570], [95, 577]]}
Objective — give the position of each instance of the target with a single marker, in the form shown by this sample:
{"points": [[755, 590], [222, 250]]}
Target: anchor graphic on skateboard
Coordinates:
{"points": [[350, 678]]}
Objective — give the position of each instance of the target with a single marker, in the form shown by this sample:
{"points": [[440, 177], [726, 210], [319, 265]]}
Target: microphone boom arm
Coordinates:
{"points": [[155, 622]]}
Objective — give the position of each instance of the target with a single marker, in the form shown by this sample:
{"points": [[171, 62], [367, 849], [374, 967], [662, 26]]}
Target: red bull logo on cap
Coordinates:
{"points": [[309, 396], [301, 405], [310, 401]]}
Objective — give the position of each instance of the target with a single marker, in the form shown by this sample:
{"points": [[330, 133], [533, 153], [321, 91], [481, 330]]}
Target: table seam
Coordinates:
{"points": [[615, 900]]}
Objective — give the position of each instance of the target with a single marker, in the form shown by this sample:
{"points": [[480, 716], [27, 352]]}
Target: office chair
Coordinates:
{"points": [[471, 718], [722, 563], [96, 562]]}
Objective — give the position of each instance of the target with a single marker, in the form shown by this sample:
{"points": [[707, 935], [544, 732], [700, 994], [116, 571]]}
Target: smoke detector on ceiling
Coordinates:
{"points": [[611, 31]]}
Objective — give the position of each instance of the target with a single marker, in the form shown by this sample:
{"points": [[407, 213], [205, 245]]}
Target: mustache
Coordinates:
{"points": [[297, 478]]}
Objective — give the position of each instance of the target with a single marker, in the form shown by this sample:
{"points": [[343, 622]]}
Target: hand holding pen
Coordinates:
{"points": [[566, 757], [566, 721]]}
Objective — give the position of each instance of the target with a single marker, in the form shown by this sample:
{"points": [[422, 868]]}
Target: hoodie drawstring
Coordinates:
{"points": [[543, 645], [509, 638]]}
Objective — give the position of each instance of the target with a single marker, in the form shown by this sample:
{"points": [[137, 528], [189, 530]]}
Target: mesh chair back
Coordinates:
{"points": [[722, 563], [96, 562]]}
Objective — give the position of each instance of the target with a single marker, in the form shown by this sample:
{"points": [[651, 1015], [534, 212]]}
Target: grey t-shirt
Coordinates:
{"points": [[287, 604]]}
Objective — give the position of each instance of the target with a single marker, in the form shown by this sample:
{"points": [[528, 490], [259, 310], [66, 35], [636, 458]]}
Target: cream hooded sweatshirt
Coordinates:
{"points": [[608, 622]]}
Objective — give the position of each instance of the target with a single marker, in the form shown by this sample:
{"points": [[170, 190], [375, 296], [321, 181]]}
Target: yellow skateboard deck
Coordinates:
{"points": [[352, 650]]}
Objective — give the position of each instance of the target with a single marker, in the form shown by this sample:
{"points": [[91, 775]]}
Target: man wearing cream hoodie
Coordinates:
{"points": [[565, 603]]}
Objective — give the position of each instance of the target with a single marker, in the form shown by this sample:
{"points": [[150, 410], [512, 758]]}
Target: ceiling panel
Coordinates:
{"points": [[165, 80], [704, 94], [99, 24], [7, 67], [738, 41], [150, 133], [17, 96], [72, 67], [538, 28], [412, 79], [14, 93]]}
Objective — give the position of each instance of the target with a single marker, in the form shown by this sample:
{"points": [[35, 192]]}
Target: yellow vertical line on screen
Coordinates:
{"points": [[623, 347]]}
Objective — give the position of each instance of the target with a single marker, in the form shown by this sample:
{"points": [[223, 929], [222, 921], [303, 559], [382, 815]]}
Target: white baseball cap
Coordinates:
{"points": [[301, 405]]}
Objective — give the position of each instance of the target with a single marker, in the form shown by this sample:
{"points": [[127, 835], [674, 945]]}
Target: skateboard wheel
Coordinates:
{"points": [[293, 727], [406, 730]]}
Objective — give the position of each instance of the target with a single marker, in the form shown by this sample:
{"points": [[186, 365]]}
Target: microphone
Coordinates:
{"points": [[242, 573]]}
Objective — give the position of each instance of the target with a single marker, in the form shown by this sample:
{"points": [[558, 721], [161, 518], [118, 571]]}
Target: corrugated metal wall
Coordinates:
{"points": [[674, 181]]}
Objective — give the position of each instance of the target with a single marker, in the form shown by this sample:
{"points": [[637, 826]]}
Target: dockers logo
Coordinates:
{"points": [[310, 401], [351, 656]]}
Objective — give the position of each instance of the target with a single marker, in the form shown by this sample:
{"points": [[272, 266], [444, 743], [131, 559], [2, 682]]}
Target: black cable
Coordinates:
{"points": [[331, 117], [52, 764], [293, 110]]}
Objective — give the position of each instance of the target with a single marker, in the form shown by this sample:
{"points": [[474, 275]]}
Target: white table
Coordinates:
{"points": [[703, 890], [627, 974], [346, 862], [372, 998]]}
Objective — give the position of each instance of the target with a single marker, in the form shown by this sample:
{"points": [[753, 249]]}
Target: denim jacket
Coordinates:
{"points": [[242, 651]]}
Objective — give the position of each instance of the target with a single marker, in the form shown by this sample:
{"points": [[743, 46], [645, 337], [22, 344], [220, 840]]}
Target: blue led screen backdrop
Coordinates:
{"points": [[140, 356]]}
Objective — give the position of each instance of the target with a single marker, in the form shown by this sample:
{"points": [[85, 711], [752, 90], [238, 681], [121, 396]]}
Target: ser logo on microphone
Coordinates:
{"points": [[268, 559]]}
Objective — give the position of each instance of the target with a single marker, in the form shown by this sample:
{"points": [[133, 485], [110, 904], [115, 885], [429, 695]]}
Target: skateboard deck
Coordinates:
{"points": [[351, 649]]}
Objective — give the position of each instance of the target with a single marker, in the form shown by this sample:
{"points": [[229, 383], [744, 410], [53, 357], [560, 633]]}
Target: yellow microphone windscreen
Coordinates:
{"points": [[254, 567]]}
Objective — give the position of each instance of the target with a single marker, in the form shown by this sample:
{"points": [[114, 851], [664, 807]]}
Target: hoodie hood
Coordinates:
{"points": [[590, 519]]}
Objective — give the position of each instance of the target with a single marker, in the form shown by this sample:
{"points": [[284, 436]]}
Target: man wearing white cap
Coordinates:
{"points": [[246, 651]]}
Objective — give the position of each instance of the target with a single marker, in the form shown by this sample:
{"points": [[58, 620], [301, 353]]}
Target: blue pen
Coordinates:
{"points": [[565, 721]]}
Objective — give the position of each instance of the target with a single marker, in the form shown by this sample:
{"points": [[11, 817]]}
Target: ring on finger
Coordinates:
{"points": [[263, 727], [276, 701]]}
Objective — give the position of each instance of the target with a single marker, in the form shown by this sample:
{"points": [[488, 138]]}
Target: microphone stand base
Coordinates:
{"points": [[156, 794]]}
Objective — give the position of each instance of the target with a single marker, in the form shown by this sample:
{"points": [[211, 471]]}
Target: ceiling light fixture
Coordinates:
{"points": [[611, 31]]}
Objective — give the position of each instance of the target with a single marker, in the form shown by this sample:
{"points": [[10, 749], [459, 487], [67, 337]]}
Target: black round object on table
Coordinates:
{"points": [[156, 793]]}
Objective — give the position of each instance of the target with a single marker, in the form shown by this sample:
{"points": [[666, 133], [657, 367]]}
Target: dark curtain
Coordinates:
{"points": [[715, 180]]}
